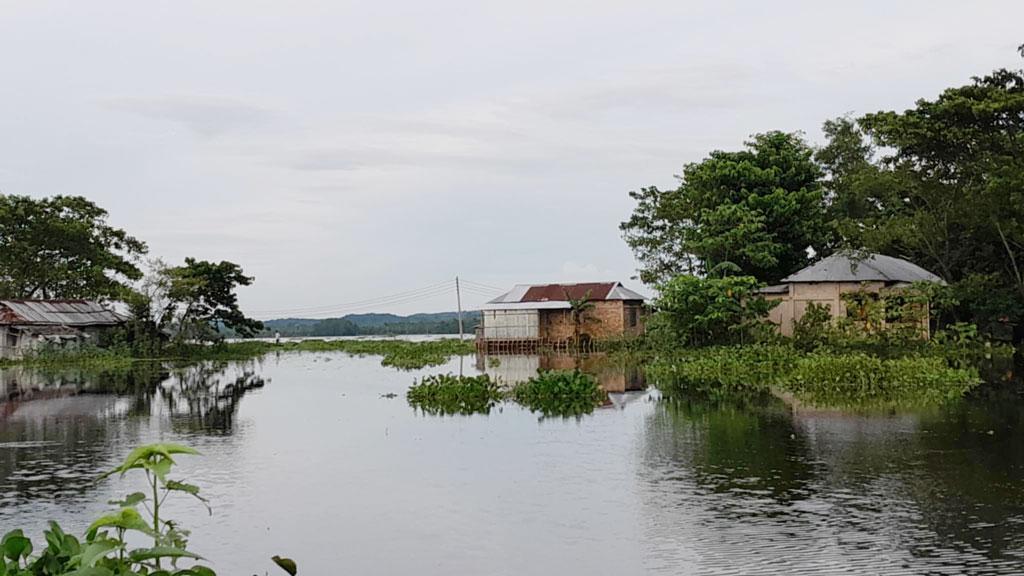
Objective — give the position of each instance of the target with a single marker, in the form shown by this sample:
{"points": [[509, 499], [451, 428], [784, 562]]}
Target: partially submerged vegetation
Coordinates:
{"points": [[823, 378], [444, 394], [560, 393], [106, 548], [402, 354], [551, 393]]}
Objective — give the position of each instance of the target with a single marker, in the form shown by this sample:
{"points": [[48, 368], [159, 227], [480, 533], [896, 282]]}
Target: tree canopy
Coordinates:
{"points": [[753, 212], [948, 191], [940, 184], [62, 247], [201, 297]]}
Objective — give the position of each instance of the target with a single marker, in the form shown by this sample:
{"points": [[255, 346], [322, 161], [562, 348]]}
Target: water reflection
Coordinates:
{"points": [[57, 425], [512, 369], [756, 486]]}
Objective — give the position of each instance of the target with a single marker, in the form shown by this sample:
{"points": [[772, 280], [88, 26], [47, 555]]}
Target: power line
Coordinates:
{"points": [[482, 285], [432, 290]]}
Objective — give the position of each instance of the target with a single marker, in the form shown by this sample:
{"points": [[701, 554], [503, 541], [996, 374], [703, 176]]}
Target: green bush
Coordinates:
{"points": [[825, 378], [858, 379], [814, 329], [693, 311], [448, 394], [560, 393]]}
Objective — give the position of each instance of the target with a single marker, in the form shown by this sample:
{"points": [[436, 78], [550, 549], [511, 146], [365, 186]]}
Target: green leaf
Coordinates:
{"points": [[133, 499], [15, 545], [125, 519], [188, 489], [97, 550], [149, 455], [91, 571], [286, 564], [161, 552]]}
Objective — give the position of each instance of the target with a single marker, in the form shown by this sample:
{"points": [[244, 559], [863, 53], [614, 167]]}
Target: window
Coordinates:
{"points": [[632, 316]]}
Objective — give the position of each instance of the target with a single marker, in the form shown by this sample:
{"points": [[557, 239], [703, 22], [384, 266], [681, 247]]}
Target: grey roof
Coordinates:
{"points": [[57, 313], [850, 267], [775, 289]]}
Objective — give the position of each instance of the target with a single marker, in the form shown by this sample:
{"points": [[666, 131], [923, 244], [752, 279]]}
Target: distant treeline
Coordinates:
{"points": [[373, 324]]}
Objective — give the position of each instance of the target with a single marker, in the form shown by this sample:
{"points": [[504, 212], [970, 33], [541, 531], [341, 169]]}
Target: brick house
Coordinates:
{"points": [[532, 315]]}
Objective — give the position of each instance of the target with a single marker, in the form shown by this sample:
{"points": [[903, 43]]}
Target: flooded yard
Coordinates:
{"points": [[317, 456]]}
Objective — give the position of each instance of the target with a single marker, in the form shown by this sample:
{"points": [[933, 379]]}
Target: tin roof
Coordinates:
{"points": [[57, 313], [850, 267], [546, 296]]}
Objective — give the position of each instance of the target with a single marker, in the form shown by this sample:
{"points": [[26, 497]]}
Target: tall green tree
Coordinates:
{"points": [[947, 192], [201, 297], [753, 212], [63, 247]]}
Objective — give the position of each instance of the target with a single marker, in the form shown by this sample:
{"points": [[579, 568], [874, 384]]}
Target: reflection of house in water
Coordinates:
{"points": [[516, 368]]}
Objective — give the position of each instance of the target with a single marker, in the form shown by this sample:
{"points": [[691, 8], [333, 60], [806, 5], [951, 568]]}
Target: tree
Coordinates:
{"points": [[694, 311], [62, 247], [947, 194], [578, 308], [201, 298], [759, 210]]}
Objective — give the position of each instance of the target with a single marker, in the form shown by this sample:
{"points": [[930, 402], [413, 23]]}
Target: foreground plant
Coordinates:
{"points": [[104, 549]]}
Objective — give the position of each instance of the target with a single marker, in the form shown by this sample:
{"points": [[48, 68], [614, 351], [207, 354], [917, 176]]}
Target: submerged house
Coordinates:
{"points": [[825, 283], [540, 315], [28, 324]]}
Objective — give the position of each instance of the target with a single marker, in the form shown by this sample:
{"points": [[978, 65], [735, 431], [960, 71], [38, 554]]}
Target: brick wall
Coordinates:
{"points": [[608, 319]]}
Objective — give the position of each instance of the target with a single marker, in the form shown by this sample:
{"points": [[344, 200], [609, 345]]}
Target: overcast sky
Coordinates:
{"points": [[347, 151]]}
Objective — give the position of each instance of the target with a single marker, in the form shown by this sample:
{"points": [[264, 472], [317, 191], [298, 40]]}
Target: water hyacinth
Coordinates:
{"points": [[443, 394], [833, 379], [560, 393]]}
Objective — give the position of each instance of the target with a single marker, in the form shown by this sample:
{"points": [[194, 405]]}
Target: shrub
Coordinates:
{"points": [[696, 311], [858, 379], [814, 329], [448, 394], [829, 378], [560, 393]]}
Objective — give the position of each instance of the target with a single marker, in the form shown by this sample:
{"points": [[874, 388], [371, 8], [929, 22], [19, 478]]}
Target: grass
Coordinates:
{"points": [[401, 354]]}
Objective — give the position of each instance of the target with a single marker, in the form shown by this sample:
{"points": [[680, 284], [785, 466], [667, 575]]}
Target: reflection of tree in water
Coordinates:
{"points": [[747, 478], [204, 397], [60, 428], [742, 444]]}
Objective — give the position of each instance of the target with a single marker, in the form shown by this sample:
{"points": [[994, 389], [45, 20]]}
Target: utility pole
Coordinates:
{"points": [[458, 298]]}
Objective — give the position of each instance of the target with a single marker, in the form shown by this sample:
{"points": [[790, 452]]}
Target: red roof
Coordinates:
{"points": [[563, 292]]}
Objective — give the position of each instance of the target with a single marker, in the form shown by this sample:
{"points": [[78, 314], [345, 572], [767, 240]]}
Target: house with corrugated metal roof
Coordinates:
{"points": [[825, 282], [539, 315], [28, 324]]}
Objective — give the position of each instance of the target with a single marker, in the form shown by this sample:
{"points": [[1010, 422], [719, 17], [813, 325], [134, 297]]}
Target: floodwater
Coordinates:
{"points": [[307, 456]]}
